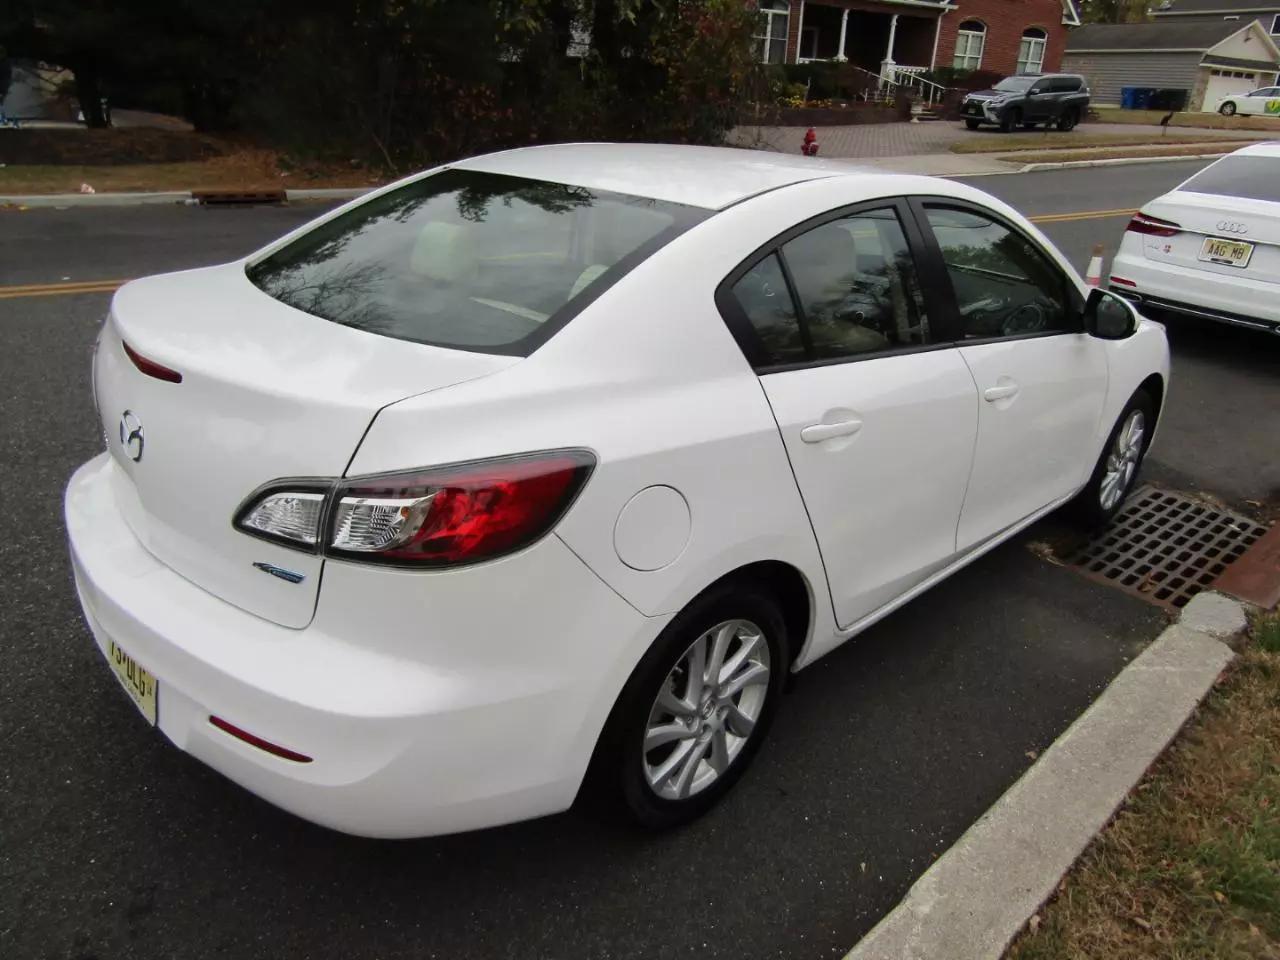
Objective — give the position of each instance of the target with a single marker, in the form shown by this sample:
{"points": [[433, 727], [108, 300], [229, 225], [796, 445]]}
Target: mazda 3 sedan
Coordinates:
{"points": [[545, 468]]}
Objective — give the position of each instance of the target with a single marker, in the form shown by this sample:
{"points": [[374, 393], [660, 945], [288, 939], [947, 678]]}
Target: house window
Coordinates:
{"points": [[771, 30], [1275, 26], [970, 40], [1031, 53]]}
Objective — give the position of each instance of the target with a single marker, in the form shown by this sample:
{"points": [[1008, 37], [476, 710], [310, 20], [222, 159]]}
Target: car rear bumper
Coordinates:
{"points": [[1238, 301], [430, 703]]}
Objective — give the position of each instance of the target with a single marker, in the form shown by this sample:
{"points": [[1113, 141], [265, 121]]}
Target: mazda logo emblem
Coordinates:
{"points": [[1233, 226], [131, 435]]}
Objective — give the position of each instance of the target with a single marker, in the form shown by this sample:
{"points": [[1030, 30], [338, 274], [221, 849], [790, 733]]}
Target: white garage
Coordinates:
{"points": [[1227, 83]]}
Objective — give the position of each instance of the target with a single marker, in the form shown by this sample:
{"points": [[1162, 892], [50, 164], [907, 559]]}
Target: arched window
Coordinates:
{"points": [[970, 41], [1031, 53], [771, 31]]}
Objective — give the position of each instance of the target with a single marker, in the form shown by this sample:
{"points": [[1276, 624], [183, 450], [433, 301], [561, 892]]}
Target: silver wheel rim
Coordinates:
{"points": [[1122, 460], [706, 710]]}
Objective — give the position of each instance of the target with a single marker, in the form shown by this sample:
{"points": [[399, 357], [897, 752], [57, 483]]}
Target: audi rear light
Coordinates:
{"points": [[434, 517], [1153, 226], [455, 515]]}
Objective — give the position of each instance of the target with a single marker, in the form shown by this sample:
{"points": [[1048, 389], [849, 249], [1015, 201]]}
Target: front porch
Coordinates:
{"points": [[875, 37]]}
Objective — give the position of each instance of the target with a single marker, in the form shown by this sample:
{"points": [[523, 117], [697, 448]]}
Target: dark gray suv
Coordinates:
{"points": [[1054, 99]]}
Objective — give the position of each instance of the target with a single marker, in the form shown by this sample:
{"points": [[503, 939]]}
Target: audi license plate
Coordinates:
{"points": [[137, 682], [1230, 253]]}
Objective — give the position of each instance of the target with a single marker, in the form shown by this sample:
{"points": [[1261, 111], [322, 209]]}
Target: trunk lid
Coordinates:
{"points": [[267, 392], [1232, 219]]}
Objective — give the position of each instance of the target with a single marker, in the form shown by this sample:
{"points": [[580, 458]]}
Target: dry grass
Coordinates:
{"points": [[246, 168], [1009, 143], [1190, 868], [1118, 153], [1211, 121]]}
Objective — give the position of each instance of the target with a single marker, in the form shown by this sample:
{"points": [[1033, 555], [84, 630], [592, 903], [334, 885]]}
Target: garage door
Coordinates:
{"points": [[1226, 83]]}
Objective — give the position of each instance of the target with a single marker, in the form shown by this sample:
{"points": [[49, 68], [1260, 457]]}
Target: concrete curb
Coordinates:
{"points": [[165, 196], [978, 896], [1116, 162]]}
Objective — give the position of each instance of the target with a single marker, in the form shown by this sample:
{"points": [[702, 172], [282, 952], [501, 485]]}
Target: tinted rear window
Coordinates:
{"points": [[1253, 178], [468, 260]]}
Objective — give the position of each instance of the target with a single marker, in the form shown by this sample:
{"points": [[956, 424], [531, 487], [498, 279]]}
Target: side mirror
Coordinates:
{"points": [[1109, 316]]}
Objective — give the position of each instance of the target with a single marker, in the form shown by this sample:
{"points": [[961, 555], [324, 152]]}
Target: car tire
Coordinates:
{"points": [[633, 780], [1228, 109], [972, 124], [1118, 465], [1068, 121], [1011, 119]]}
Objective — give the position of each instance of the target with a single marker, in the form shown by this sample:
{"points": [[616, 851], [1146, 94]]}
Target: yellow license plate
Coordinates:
{"points": [[1232, 253], [137, 682]]}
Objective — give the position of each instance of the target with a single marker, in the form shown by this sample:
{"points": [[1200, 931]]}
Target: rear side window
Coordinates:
{"points": [[469, 260], [1253, 178], [765, 300], [1066, 85]]}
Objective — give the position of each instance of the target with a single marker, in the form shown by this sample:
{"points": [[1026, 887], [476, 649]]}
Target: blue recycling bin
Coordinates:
{"points": [[1127, 97]]}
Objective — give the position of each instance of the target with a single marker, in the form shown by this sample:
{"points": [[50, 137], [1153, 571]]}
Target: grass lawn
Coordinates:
{"points": [[249, 169], [1008, 143], [1116, 153], [1213, 121], [1190, 867]]}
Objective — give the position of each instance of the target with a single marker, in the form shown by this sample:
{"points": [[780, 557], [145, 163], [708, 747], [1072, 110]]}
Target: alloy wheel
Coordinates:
{"points": [[1122, 460], [706, 709]]}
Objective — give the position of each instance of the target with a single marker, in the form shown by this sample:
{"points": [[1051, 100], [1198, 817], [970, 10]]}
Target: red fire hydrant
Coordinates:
{"points": [[810, 146]]}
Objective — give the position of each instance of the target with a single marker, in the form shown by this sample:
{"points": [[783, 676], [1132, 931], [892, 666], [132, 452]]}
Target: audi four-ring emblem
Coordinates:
{"points": [[1233, 226]]}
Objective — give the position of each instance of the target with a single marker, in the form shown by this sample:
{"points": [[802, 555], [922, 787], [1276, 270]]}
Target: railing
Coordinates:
{"points": [[886, 86], [912, 77]]}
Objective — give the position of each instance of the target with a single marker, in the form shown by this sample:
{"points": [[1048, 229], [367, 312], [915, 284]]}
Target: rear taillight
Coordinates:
{"points": [[150, 367], [1153, 226], [435, 517]]}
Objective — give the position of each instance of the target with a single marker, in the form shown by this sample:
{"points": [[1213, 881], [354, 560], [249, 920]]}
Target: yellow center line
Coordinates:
{"points": [[107, 286]]}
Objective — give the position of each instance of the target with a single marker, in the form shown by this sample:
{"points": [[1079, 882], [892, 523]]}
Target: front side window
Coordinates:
{"points": [[970, 41], [856, 285], [1004, 286], [1031, 52], [771, 31], [468, 260]]}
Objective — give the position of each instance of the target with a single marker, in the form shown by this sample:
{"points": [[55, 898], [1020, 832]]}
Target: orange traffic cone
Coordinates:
{"points": [[1093, 276]]}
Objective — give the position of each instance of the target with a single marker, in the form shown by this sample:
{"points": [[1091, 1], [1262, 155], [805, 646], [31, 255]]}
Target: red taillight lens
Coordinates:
{"points": [[150, 367], [1153, 226], [455, 515]]}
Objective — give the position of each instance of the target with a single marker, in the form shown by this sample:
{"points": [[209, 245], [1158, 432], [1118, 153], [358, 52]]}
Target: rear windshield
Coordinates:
{"points": [[468, 260], [1251, 178]]}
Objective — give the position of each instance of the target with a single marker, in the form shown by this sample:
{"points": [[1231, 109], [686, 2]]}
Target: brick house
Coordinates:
{"points": [[894, 39]]}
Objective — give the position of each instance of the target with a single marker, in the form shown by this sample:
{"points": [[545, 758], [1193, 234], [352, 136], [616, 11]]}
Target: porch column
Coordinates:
{"points": [[844, 29], [887, 67], [800, 33]]}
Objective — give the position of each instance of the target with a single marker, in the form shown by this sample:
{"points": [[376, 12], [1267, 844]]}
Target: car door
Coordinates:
{"points": [[1040, 380], [878, 416], [1264, 101], [1040, 102]]}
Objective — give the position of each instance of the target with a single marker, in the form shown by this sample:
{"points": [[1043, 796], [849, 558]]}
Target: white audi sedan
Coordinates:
{"points": [[1210, 248], [545, 468]]}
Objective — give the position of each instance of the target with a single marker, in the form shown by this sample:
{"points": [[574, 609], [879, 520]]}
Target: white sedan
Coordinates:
{"points": [[546, 467], [1264, 101], [1210, 248]]}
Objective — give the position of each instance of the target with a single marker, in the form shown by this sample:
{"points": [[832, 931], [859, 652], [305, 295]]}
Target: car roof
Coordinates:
{"points": [[708, 177]]}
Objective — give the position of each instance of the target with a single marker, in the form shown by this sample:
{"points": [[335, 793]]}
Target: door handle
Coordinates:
{"points": [[1001, 392], [829, 431]]}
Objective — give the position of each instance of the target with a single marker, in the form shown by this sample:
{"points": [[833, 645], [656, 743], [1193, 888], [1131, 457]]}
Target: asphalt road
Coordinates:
{"points": [[113, 844]]}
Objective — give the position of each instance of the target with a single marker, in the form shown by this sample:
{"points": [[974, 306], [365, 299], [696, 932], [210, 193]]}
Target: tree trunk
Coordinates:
{"points": [[89, 93]]}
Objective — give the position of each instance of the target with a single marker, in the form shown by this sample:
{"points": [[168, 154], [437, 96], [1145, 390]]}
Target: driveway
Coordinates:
{"points": [[116, 845]]}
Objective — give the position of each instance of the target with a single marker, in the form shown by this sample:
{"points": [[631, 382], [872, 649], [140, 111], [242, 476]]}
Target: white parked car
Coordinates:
{"points": [[1264, 101], [1210, 248], [551, 464]]}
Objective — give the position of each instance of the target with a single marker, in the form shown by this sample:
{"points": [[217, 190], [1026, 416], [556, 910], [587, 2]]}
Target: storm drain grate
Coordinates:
{"points": [[1165, 547]]}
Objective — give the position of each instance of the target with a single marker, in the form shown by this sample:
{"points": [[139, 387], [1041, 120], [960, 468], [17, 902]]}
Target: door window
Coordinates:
{"points": [[1004, 286], [764, 298], [856, 286]]}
